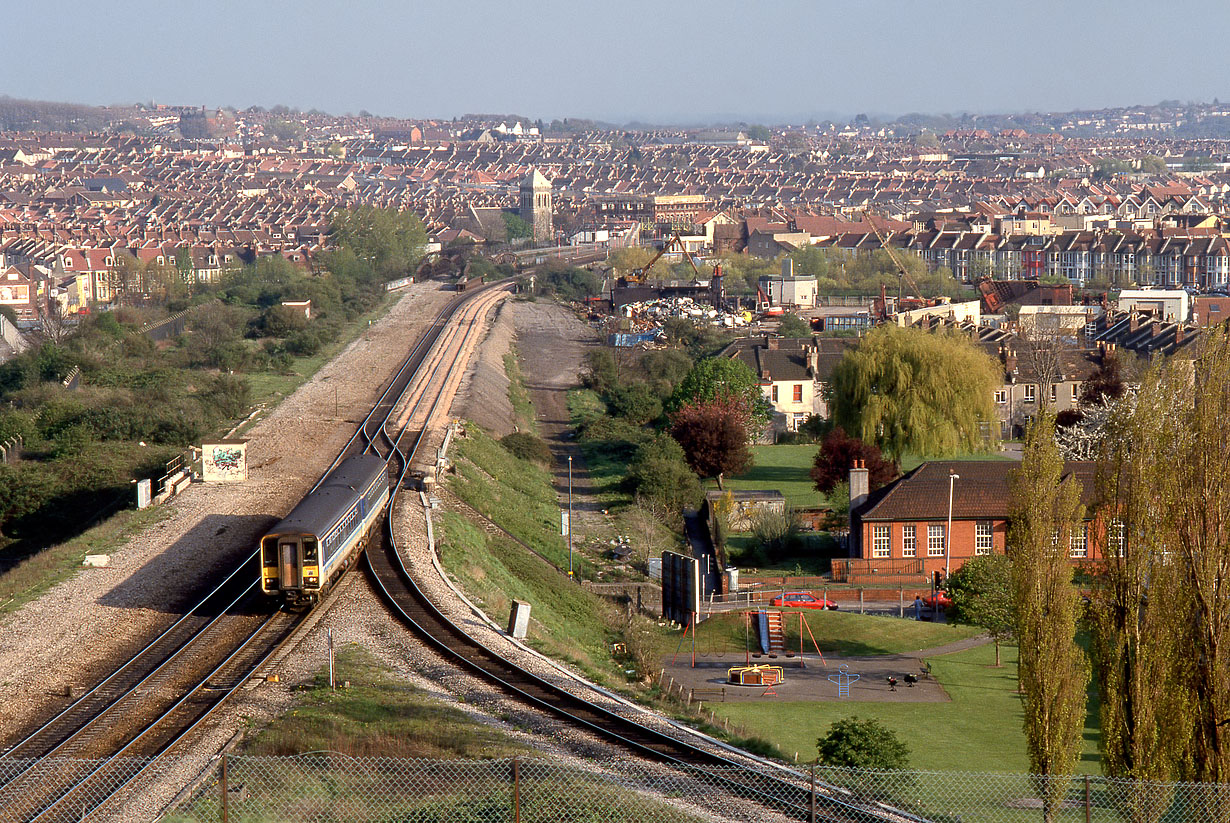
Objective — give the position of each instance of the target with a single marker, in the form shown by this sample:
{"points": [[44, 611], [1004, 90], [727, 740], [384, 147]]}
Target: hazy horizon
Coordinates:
{"points": [[662, 63]]}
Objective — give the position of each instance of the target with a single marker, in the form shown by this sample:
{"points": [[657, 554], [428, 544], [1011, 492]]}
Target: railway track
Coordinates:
{"points": [[69, 767], [406, 600]]}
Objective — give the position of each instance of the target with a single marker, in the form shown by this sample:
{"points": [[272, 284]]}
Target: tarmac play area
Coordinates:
{"points": [[812, 677]]}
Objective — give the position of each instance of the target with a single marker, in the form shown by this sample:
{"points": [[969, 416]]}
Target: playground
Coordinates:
{"points": [[783, 660]]}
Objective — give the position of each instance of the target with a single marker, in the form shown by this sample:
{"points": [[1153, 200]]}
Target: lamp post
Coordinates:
{"points": [[952, 478], [570, 515]]}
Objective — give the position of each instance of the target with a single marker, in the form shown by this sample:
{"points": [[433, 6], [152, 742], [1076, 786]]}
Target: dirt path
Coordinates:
{"points": [[551, 346]]}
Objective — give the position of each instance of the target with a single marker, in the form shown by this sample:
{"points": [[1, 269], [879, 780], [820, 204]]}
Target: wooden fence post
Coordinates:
{"points": [[516, 764], [226, 794]]}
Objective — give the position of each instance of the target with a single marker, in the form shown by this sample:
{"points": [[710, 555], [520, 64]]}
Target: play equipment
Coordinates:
{"points": [[758, 675], [770, 636]]}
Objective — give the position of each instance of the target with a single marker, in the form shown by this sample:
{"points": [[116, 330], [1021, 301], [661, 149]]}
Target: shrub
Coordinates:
{"points": [[862, 744], [636, 403], [659, 473], [229, 395], [776, 532], [527, 447]]}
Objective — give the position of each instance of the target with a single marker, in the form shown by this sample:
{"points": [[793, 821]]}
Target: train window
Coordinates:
{"points": [[269, 553], [309, 551]]}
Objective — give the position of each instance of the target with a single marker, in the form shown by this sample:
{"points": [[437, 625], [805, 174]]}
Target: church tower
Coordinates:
{"points": [[536, 204]]}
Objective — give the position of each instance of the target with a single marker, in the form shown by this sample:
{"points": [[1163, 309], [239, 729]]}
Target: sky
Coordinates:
{"points": [[768, 61]]}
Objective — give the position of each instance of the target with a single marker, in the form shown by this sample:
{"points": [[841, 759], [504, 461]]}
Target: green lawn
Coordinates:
{"points": [[838, 632], [979, 731], [784, 468]]}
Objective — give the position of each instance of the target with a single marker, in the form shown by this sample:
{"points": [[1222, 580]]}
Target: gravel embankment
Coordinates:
{"points": [[80, 628]]}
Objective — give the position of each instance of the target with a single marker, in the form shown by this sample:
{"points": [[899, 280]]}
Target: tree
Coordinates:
{"points": [[720, 378], [794, 326], [862, 744], [659, 474], [516, 226], [1053, 672], [714, 435], [1139, 606], [981, 592], [914, 390], [836, 457], [390, 241], [636, 403]]}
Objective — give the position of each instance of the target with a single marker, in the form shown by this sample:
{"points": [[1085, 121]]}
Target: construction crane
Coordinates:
{"points": [[639, 275], [901, 269]]}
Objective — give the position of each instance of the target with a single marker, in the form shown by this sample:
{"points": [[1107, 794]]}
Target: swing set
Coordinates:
{"points": [[763, 635]]}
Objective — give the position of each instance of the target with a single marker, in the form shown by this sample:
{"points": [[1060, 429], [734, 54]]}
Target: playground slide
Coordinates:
{"points": [[762, 631]]}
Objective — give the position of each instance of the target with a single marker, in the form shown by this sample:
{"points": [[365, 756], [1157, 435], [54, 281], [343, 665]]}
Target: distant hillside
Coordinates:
{"points": [[40, 115]]}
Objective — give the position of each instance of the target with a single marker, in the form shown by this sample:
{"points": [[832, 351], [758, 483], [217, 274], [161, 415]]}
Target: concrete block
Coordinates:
{"points": [[519, 620], [98, 561]]}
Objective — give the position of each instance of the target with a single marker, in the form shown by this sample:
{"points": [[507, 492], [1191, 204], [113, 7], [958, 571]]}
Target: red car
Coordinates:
{"points": [[802, 600], [938, 600]]}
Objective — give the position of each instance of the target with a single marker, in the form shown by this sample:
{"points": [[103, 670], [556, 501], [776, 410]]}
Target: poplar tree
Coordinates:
{"points": [[1052, 669], [1139, 605], [1194, 501]]}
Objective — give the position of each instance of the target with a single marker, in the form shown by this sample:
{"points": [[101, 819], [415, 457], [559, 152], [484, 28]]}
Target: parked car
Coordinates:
{"points": [[937, 600], [802, 600]]}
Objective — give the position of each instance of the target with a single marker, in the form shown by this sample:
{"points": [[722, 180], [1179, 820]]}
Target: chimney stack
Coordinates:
{"points": [[859, 489], [1179, 333]]}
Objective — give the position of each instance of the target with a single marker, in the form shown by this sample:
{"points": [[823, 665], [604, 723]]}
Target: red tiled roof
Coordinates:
{"points": [[982, 492]]}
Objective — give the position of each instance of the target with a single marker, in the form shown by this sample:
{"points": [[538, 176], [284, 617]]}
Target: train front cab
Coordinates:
{"points": [[291, 567]]}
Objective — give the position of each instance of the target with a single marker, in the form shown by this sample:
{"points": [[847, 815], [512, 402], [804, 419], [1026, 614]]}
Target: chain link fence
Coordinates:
{"points": [[324, 787], [328, 788]]}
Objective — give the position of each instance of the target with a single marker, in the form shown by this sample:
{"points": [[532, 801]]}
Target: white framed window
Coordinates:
{"points": [[1076, 392], [1117, 533], [984, 537], [1001, 397], [1031, 392], [881, 542], [1054, 392], [909, 541], [1079, 542], [935, 540]]}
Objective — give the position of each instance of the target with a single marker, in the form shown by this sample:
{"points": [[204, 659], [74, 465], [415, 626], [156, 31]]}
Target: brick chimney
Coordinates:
{"points": [[1179, 333], [773, 343], [1133, 322], [859, 489]]}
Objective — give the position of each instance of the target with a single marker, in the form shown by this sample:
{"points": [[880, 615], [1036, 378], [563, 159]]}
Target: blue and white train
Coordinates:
{"points": [[306, 553]]}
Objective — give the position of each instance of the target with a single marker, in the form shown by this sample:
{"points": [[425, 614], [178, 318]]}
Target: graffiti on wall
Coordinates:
{"points": [[225, 461]]}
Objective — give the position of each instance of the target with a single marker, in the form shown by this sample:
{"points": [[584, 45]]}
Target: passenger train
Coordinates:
{"points": [[306, 553]]}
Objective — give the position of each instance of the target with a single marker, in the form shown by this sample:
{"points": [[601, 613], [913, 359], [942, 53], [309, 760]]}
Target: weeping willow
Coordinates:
{"points": [[910, 390]]}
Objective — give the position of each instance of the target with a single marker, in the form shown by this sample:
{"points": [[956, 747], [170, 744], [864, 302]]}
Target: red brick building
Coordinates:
{"points": [[904, 525]]}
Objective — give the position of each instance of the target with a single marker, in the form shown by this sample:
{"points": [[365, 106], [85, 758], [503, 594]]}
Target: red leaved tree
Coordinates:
{"points": [[714, 435], [836, 456]]}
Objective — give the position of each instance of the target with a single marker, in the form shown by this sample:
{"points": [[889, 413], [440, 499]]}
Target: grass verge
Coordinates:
{"points": [[377, 716], [38, 573], [523, 408]]}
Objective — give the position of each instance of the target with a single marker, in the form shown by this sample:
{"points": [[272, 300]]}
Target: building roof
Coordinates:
{"points": [[982, 492]]}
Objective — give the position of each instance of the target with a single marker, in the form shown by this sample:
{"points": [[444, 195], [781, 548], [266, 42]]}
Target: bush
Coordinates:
{"points": [[229, 394], [659, 473], [776, 532], [635, 403], [862, 744], [527, 447]]}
